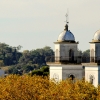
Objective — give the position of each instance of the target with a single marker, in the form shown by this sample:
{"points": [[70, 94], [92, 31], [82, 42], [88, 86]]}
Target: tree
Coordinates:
{"points": [[86, 56], [37, 56], [15, 87], [9, 55], [27, 68], [86, 53], [12, 70], [43, 71]]}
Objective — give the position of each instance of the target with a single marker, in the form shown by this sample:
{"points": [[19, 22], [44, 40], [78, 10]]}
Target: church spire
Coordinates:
{"points": [[66, 26]]}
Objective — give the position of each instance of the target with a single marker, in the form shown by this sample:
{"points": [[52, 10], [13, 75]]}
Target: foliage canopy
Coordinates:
{"points": [[25, 87]]}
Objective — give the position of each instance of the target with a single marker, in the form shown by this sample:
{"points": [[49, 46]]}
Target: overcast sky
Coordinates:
{"points": [[37, 23]]}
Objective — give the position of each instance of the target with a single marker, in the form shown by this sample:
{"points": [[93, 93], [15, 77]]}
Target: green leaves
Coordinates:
{"points": [[43, 71]]}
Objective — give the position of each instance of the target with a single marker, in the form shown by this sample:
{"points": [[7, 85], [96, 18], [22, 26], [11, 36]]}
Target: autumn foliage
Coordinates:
{"points": [[27, 87]]}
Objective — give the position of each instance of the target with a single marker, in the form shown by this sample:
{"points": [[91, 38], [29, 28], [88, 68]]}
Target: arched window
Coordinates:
{"points": [[57, 55], [92, 55], [71, 55], [72, 77]]}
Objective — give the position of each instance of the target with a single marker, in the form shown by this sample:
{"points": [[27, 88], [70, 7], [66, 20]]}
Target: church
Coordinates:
{"points": [[69, 64]]}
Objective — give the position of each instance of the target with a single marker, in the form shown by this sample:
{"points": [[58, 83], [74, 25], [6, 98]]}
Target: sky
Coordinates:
{"points": [[37, 23]]}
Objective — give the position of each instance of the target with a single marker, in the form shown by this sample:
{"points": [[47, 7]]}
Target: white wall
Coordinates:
{"points": [[63, 50], [57, 54], [94, 71], [56, 72], [96, 48], [92, 56]]}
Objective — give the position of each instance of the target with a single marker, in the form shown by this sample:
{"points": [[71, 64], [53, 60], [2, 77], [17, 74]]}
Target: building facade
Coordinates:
{"points": [[68, 62]]}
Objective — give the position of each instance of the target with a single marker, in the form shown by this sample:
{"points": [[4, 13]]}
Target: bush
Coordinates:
{"points": [[43, 71], [25, 87]]}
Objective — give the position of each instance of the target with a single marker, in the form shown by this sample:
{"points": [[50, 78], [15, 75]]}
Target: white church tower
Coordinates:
{"points": [[95, 48], [92, 69], [66, 52], [66, 47]]}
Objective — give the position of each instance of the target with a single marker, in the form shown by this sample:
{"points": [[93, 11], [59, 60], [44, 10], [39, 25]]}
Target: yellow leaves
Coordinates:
{"points": [[25, 87]]}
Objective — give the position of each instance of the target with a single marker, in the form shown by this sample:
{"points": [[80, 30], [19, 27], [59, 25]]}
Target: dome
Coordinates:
{"points": [[97, 36], [66, 35]]}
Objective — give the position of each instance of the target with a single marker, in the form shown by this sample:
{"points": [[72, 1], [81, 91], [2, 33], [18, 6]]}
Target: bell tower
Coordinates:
{"points": [[95, 48], [66, 47], [92, 69], [66, 53]]}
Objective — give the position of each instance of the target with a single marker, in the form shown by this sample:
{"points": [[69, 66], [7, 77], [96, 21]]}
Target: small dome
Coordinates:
{"points": [[66, 35], [97, 36]]}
